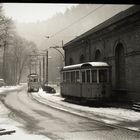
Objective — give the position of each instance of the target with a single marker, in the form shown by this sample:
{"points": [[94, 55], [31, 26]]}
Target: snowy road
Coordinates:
{"points": [[40, 119]]}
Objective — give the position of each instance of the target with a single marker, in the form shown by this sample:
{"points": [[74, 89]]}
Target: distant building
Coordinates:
{"points": [[116, 41]]}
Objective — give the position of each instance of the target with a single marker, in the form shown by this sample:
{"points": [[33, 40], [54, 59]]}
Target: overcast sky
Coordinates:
{"points": [[32, 12]]}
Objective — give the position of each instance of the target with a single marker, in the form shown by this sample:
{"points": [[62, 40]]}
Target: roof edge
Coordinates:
{"points": [[119, 16]]}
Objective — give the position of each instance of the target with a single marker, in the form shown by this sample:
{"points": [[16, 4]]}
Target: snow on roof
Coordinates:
{"points": [[32, 74], [91, 64]]}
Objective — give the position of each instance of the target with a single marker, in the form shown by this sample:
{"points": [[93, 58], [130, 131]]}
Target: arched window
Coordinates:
{"points": [[120, 66], [70, 61], [82, 58], [97, 55]]}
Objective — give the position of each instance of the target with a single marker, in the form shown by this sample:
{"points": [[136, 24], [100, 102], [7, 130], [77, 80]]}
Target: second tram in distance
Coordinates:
{"points": [[86, 81], [33, 82]]}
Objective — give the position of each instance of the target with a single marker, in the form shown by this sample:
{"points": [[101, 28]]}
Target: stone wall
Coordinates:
{"points": [[128, 34]]}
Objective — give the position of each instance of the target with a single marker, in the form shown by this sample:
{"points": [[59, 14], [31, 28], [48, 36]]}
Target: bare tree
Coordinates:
{"points": [[6, 27], [15, 50], [21, 51]]}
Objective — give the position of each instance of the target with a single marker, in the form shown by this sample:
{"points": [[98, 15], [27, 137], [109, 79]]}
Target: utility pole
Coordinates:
{"points": [[40, 60], [47, 67], [40, 70], [43, 69], [30, 65], [35, 66]]}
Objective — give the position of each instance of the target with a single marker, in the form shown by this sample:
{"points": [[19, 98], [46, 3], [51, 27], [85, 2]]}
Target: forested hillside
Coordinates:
{"points": [[66, 26], [37, 31]]}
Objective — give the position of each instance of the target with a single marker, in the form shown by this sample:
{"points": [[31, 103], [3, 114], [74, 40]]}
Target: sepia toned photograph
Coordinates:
{"points": [[69, 71]]}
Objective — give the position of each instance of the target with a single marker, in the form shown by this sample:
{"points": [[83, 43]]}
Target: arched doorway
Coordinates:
{"points": [[97, 55], [82, 58], [120, 66], [70, 61]]}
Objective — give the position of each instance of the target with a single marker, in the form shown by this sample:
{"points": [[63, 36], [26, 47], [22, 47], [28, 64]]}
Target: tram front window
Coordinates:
{"points": [[77, 76], [83, 77], [31, 80], [103, 75], [68, 77], [64, 77], [73, 76], [94, 75], [35, 80], [88, 76]]}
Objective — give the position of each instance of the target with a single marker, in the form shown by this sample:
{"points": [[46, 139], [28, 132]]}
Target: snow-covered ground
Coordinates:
{"points": [[110, 115], [9, 124], [117, 112], [9, 88]]}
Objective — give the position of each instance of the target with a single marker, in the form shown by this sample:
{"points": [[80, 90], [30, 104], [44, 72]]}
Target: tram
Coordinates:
{"points": [[86, 81], [33, 82]]}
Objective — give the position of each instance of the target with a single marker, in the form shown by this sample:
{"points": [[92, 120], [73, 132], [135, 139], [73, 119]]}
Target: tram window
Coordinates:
{"points": [[77, 76], [64, 77], [83, 77], [88, 76], [103, 75], [35, 80], [31, 80], [73, 76], [94, 75], [109, 75], [67, 76]]}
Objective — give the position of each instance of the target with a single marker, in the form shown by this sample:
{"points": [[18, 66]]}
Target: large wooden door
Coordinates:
{"points": [[120, 66]]}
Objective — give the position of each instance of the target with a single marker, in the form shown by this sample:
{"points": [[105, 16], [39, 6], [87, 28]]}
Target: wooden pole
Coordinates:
{"points": [[47, 67]]}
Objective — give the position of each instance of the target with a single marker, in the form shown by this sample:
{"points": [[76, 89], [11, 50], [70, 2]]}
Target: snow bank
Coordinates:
{"points": [[112, 112], [10, 88]]}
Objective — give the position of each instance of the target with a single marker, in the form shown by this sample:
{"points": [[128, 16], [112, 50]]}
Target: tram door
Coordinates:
{"points": [[86, 86], [120, 66]]}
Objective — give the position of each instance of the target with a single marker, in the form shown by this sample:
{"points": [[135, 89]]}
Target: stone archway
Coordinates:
{"points": [[70, 61], [120, 66], [97, 55], [82, 58]]}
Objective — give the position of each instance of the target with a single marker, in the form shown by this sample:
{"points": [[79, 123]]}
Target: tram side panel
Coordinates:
{"points": [[87, 91], [71, 90], [91, 90], [96, 91]]}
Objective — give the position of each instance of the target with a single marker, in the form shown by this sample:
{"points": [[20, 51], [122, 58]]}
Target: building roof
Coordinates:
{"points": [[118, 17], [90, 64]]}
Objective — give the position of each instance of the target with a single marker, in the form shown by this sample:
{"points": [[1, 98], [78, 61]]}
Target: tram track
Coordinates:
{"points": [[76, 112], [51, 116], [57, 107], [16, 113]]}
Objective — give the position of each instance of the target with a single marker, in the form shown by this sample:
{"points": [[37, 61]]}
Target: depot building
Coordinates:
{"points": [[117, 42]]}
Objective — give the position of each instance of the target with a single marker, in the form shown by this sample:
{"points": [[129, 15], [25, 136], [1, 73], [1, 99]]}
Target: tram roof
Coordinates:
{"points": [[87, 64], [33, 75]]}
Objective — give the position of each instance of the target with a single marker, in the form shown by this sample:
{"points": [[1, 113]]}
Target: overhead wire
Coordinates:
{"points": [[65, 28]]}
